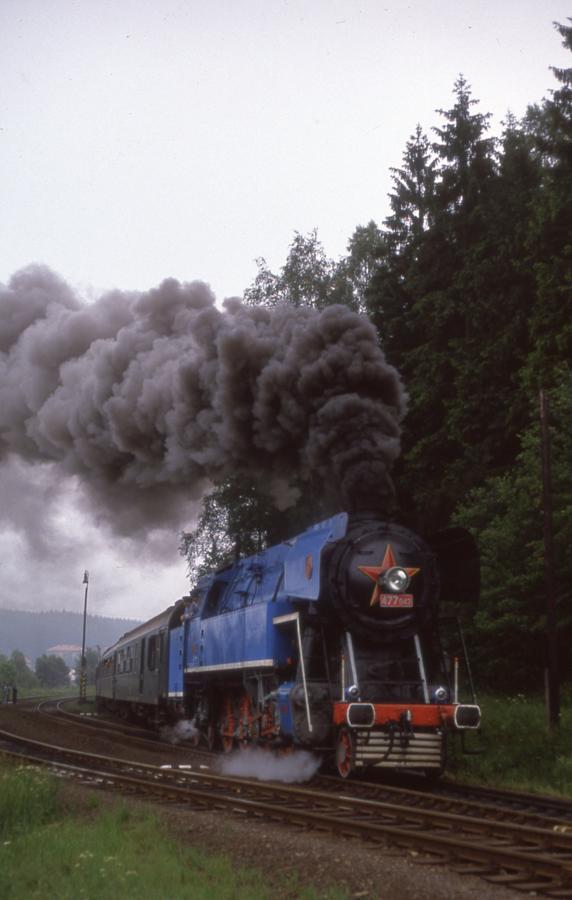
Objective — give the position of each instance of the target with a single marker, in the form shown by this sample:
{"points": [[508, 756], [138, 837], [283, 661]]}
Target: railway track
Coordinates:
{"points": [[137, 736], [532, 856], [57, 709], [445, 795], [523, 809], [513, 800], [532, 809]]}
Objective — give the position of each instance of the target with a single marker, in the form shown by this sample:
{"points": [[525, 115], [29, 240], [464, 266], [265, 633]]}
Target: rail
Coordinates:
{"points": [[524, 856]]}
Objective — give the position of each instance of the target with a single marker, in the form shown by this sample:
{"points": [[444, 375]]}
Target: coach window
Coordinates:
{"points": [[152, 653]]}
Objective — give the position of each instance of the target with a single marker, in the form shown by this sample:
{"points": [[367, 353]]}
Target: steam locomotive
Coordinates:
{"points": [[329, 641]]}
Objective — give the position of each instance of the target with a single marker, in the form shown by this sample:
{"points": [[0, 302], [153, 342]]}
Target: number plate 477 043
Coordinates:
{"points": [[393, 600]]}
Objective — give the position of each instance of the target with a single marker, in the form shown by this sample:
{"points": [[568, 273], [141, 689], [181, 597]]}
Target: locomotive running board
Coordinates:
{"points": [[224, 667]]}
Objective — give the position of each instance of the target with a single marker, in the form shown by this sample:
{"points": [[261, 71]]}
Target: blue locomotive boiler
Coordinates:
{"points": [[329, 641]]}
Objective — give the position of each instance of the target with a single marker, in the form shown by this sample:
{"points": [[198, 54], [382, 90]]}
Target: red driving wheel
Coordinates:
{"points": [[226, 726], [345, 752]]}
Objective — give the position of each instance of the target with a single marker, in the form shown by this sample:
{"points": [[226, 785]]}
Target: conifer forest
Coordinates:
{"points": [[468, 281]]}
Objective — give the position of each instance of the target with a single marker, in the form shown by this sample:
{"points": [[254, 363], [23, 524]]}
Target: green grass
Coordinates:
{"points": [[519, 753], [117, 855], [126, 853], [70, 690], [74, 706], [28, 798]]}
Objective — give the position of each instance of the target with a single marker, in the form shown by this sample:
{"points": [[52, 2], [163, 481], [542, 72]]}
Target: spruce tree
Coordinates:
{"points": [[550, 126], [442, 298]]}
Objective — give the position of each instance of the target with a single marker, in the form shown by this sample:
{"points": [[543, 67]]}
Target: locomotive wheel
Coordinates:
{"points": [[211, 736], [345, 752], [226, 727], [266, 726], [245, 720]]}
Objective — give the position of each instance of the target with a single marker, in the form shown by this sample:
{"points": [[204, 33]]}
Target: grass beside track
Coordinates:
{"points": [[518, 752], [45, 693], [127, 853], [86, 707]]}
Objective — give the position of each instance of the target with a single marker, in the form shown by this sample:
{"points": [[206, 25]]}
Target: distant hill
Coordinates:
{"points": [[33, 633]]}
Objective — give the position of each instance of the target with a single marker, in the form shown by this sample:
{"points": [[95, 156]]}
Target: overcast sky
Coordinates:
{"points": [[140, 140]]}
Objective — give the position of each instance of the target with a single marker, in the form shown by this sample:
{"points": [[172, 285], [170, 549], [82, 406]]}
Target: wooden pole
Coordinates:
{"points": [[552, 677], [83, 665]]}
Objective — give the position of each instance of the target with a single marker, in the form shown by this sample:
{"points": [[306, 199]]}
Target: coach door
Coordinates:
{"points": [[113, 676], [141, 665]]}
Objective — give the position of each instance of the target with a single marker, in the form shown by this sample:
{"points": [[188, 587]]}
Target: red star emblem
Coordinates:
{"points": [[374, 573]]}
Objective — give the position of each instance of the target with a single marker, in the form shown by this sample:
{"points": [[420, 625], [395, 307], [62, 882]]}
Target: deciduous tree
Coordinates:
{"points": [[92, 656], [52, 671], [23, 675]]}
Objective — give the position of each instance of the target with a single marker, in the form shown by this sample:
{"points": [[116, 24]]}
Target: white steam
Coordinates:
{"points": [[270, 765], [183, 730]]}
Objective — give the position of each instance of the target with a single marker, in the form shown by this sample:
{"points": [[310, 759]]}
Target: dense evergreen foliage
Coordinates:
{"points": [[469, 282]]}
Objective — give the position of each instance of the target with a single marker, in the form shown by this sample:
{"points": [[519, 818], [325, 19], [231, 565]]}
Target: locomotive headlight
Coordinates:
{"points": [[440, 694], [396, 580]]}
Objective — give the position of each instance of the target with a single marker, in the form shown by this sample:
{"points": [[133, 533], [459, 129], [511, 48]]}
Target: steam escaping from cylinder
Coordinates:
{"points": [[267, 765], [183, 730], [145, 399]]}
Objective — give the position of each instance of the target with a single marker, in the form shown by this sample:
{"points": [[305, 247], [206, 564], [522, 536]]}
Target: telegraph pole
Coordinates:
{"points": [[83, 669], [552, 678]]}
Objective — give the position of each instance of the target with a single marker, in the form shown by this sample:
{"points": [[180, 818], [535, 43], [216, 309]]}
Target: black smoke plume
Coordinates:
{"points": [[147, 398]]}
